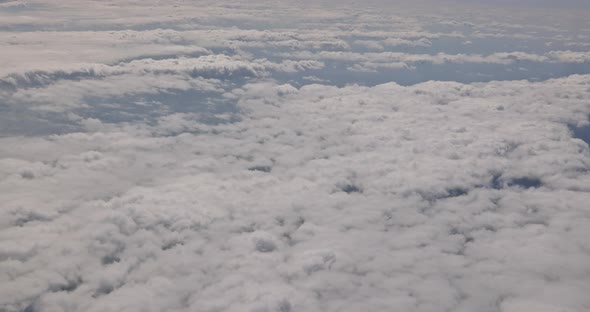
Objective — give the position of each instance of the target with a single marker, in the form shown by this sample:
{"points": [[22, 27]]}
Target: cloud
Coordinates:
{"points": [[167, 156], [373, 197], [570, 56], [375, 67], [47, 90], [500, 58]]}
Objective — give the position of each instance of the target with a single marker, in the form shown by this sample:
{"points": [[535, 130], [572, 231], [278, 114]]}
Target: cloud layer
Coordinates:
{"points": [[435, 196], [292, 157]]}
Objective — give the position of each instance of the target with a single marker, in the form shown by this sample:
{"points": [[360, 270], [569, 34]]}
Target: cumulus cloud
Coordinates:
{"points": [[239, 157], [47, 90], [320, 199]]}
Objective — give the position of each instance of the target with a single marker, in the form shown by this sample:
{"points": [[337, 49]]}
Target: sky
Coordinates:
{"points": [[528, 4], [294, 156]]}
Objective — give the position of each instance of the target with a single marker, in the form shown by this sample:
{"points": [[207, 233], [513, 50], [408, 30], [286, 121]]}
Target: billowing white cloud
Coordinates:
{"points": [[54, 91], [169, 156], [439, 195]]}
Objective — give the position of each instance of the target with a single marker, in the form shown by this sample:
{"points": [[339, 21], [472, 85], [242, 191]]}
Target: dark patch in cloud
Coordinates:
{"points": [[27, 174], [70, 286], [171, 245], [349, 188], [496, 182], [110, 259], [30, 308], [102, 290], [456, 192], [582, 133], [265, 245], [261, 168], [526, 182], [31, 217], [284, 306]]}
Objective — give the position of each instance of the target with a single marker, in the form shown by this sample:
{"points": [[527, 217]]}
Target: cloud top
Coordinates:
{"points": [[273, 156]]}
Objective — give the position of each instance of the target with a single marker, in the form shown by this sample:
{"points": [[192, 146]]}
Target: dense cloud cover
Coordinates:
{"points": [[292, 157]]}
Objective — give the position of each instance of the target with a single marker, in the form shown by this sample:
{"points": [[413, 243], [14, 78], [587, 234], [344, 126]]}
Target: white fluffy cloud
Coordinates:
{"points": [[55, 91], [320, 199], [183, 158]]}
